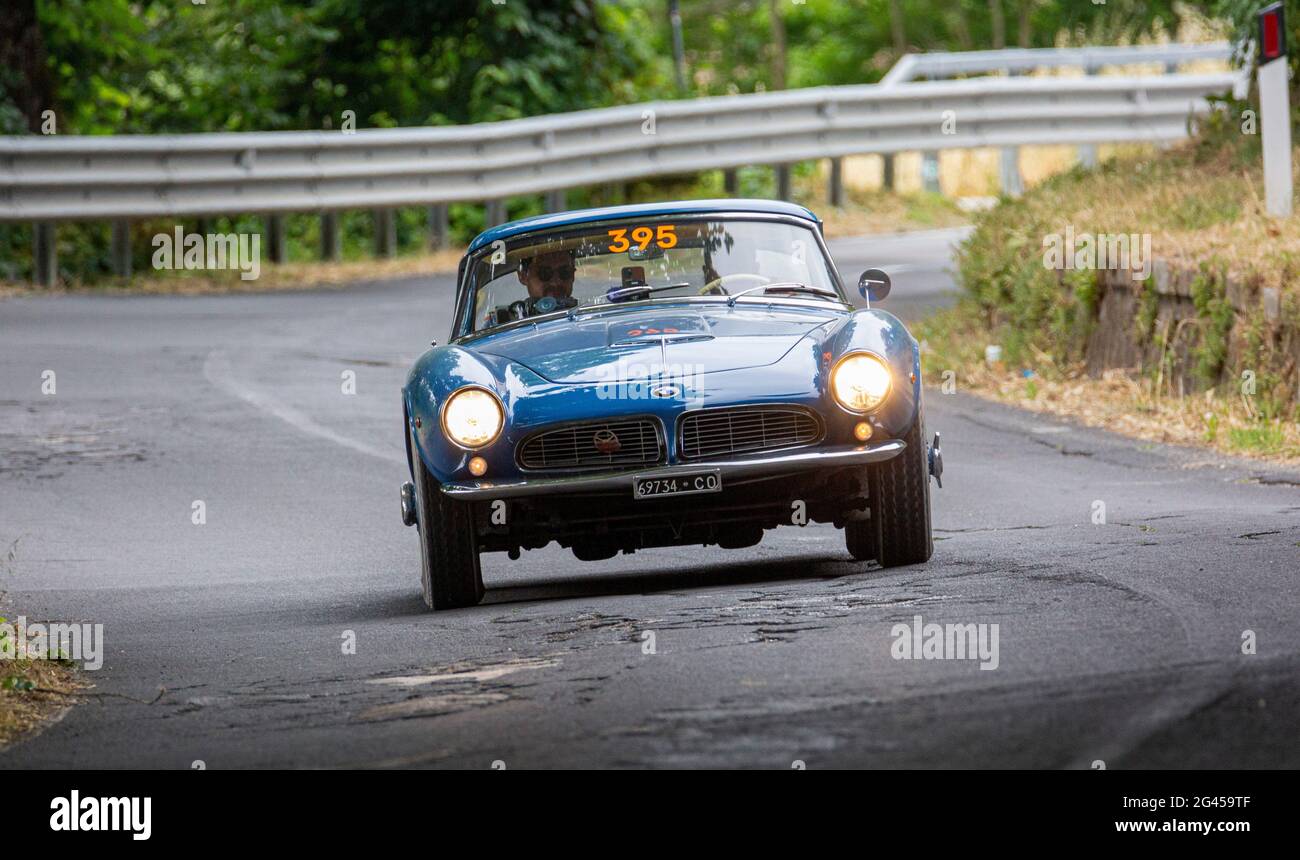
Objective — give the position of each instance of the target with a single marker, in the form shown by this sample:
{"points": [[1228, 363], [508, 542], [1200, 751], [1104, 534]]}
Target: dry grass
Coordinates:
{"points": [[1120, 400], [33, 693], [1198, 204], [890, 213], [273, 278]]}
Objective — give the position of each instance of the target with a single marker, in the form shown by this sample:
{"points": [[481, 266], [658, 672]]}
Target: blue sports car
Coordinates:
{"points": [[659, 375]]}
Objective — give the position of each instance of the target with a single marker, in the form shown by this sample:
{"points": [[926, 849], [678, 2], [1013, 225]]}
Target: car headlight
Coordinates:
{"points": [[861, 381], [472, 417]]}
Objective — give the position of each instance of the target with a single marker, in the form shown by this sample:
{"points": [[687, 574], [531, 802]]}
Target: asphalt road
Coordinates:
{"points": [[1119, 642]]}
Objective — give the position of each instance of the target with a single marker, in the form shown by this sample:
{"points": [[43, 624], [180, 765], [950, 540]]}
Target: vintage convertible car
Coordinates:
{"points": [[643, 376]]}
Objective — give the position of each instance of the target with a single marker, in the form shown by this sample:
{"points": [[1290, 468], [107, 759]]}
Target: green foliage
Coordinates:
{"points": [[171, 66], [1261, 438], [17, 683], [1216, 316]]}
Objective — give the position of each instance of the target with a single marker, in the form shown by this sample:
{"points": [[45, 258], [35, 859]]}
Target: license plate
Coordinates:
{"points": [[677, 485]]}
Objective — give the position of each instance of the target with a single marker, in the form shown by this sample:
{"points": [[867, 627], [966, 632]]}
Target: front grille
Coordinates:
{"points": [[575, 446], [710, 432]]}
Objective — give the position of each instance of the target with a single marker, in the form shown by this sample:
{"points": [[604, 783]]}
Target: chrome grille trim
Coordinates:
{"points": [[746, 429], [572, 446]]}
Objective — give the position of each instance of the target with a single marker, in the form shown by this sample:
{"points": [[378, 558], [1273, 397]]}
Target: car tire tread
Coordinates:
{"points": [[450, 573], [899, 531]]}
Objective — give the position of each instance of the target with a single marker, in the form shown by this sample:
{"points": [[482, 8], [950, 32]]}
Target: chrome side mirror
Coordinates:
{"points": [[874, 285]]}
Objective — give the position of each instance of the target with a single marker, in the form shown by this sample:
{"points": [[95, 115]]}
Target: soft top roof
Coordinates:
{"points": [[605, 213]]}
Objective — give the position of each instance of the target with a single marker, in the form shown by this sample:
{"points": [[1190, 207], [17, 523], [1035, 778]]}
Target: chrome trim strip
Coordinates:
{"points": [[620, 482]]}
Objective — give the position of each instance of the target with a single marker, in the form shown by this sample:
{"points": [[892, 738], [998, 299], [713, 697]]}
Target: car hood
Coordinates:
{"points": [[658, 343]]}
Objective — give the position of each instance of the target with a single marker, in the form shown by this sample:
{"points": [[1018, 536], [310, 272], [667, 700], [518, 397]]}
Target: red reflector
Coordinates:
{"points": [[1272, 40]]}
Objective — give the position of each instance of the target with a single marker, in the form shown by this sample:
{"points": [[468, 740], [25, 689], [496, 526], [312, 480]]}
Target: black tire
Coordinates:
{"points": [[449, 561], [898, 532], [860, 538]]}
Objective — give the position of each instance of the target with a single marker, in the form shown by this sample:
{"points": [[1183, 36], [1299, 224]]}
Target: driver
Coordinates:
{"points": [[550, 274]]}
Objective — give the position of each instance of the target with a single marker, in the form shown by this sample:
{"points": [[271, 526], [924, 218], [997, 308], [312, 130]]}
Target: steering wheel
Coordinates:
{"points": [[719, 286], [531, 307]]}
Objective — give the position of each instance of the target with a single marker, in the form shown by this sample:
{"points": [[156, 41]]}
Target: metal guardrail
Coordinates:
{"points": [[71, 178], [951, 64], [51, 179]]}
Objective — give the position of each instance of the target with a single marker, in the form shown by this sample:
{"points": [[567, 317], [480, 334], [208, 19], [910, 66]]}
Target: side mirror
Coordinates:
{"points": [[874, 285]]}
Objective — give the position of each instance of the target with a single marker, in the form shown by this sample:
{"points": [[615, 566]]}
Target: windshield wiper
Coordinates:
{"points": [[784, 288], [615, 295]]}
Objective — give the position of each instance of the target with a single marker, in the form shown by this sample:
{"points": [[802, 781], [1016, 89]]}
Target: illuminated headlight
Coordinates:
{"points": [[472, 417], [860, 382]]}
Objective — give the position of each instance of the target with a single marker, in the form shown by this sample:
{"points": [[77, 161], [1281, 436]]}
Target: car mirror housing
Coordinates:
{"points": [[874, 285]]}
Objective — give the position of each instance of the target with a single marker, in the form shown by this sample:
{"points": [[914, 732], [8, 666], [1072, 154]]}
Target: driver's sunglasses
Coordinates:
{"points": [[557, 273]]}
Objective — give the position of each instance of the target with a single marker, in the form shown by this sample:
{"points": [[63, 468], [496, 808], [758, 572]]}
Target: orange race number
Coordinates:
{"points": [[643, 237]]}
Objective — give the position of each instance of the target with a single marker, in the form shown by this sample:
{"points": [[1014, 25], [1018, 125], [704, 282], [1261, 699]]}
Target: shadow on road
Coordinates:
{"points": [[712, 575]]}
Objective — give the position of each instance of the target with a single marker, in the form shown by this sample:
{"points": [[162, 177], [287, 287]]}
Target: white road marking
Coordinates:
{"points": [[217, 370]]}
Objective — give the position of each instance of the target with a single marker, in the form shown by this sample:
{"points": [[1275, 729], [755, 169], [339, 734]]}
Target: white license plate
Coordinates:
{"points": [[677, 485]]}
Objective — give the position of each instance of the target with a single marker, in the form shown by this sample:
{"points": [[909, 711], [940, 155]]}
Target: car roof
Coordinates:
{"points": [[637, 210]]}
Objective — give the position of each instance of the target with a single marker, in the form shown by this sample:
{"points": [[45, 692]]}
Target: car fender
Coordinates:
{"points": [[434, 377]]}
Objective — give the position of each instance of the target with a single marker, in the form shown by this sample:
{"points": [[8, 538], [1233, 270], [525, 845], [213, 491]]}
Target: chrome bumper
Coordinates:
{"points": [[732, 470]]}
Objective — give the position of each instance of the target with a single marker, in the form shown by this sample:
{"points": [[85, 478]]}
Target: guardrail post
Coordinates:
{"points": [[1013, 184], [495, 214], [557, 200], [276, 240], [121, 248], [887, 171], [731, 182], [930, 172], [331, 245], [439, 226], [836, 191], [783, 182], [45, 254], [1088, 151], [385, 233]]}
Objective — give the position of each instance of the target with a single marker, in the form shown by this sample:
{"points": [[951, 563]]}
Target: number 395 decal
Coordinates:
{"points": [[665, 236]]}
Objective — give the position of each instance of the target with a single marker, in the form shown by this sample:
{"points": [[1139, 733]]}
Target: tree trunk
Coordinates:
{"points": [[1026, 33], [778, 44], [896, 26], [998, 22], [961, 29], [23, 72]]}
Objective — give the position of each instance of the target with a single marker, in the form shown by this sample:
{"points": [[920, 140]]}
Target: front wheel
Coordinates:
{"points": [[449, 560], [898, 490]]}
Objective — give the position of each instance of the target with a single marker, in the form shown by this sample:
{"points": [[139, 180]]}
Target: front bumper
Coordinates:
{"points": [[732, 470]]}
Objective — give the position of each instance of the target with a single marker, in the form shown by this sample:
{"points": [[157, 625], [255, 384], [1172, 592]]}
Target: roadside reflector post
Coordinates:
{"points": [[1275, 111]]}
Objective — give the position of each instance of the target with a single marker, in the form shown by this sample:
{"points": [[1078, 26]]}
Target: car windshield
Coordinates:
{"points": [[611, 262]]}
